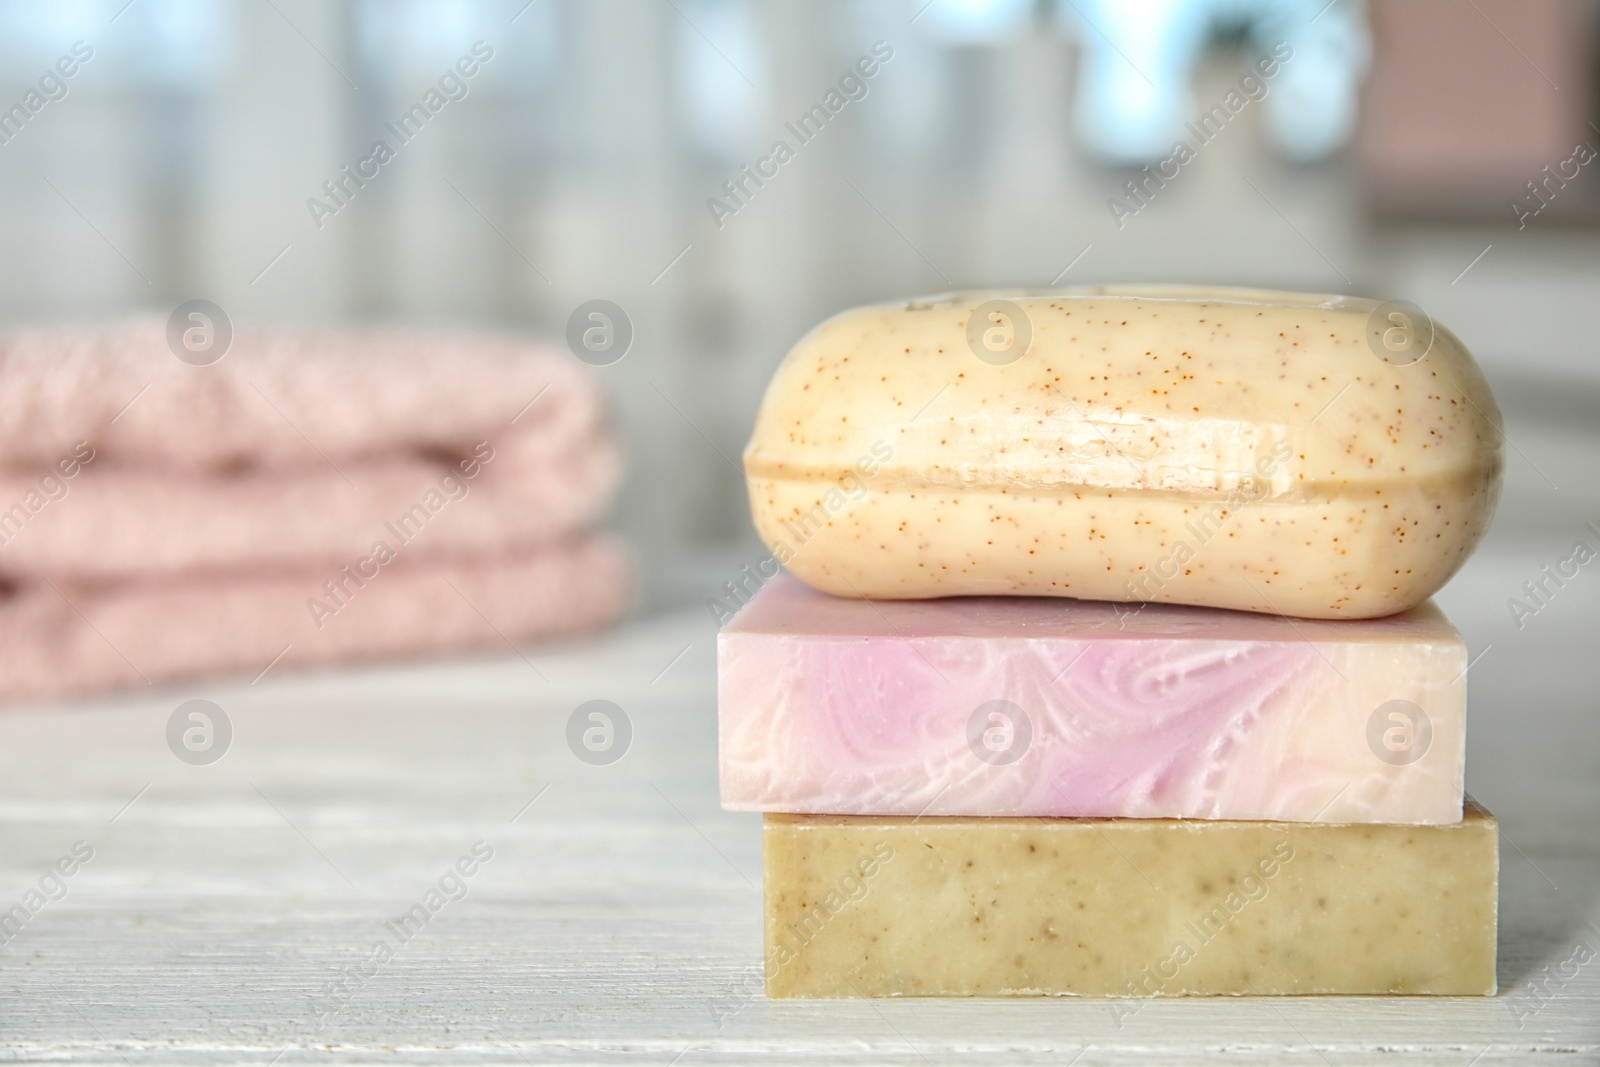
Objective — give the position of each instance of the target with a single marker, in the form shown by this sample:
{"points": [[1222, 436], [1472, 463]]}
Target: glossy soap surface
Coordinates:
{"points": [[1226, 448], [890, 708]]}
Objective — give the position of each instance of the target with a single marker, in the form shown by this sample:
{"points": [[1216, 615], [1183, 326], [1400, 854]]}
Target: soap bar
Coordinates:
{"points": [[1317, 456], [882, 907], [1044, 706]]}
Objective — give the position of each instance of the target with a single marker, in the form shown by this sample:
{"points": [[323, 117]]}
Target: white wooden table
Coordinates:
{"points": [[618, 920]]}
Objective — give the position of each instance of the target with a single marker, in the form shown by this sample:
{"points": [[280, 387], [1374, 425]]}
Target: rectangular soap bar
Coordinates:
{"points": [[895, 907], [1047, 706]]}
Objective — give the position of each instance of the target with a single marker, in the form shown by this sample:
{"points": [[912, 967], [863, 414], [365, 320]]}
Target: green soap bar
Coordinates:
{"points": [[863, 906]]}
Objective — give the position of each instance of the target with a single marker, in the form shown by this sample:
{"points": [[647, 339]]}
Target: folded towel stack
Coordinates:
{"points": [[310, 498], [1011, 732]]}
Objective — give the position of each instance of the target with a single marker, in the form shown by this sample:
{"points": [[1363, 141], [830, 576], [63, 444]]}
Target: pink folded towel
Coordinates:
{"points": [[70, 639], [293, 446], [188, 505]]}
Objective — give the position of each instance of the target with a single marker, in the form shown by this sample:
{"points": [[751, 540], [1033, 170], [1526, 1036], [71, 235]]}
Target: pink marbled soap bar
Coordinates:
{"points": [[1042, 706]]}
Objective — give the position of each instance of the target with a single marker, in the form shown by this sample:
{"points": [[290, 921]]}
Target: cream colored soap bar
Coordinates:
{"points": [[883, 907], [1307, 455]]}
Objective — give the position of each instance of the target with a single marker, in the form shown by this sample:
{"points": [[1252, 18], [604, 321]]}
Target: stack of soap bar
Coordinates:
{"points": [[1113, 670], [1119, 907], [1033, 706]]}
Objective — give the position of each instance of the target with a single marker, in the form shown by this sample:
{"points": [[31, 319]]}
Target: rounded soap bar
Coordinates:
{"points": [[1298, 454]]}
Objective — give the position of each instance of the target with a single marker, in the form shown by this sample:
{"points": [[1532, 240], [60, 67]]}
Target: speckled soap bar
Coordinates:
{"points": [[896, 907], [1040, 706], [1290, 453]]}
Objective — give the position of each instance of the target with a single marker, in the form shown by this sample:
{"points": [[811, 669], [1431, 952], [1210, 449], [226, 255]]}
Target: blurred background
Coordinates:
{"points": [[583, 160], [1437, 151]]}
